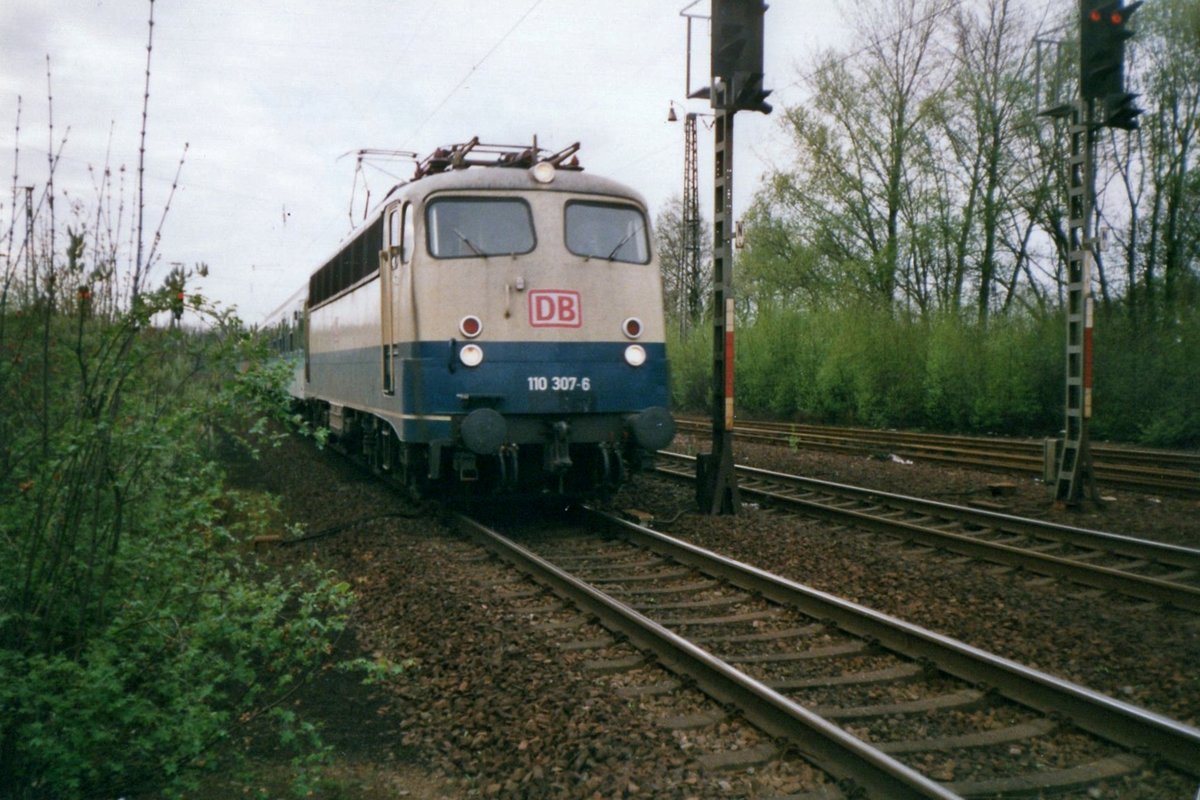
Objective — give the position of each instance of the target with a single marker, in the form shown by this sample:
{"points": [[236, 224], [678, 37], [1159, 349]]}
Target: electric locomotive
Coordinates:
{"points": [[496, 323]]}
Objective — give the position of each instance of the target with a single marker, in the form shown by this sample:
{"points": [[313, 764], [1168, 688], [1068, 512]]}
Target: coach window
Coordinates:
{"points": [[478, 227], [608, 231]]}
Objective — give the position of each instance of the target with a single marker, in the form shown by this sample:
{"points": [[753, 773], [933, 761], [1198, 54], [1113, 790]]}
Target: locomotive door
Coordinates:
{"points": [[389, 266], [397, 252]]}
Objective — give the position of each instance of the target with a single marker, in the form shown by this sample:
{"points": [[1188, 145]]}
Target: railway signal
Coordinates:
{"points": [[737, 55], [736, 85], [1103, 102], [1120, 112], [1103, 31]]}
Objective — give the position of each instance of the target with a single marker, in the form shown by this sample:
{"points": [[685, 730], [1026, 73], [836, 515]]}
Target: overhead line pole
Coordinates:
{"points": [[690, 306]]}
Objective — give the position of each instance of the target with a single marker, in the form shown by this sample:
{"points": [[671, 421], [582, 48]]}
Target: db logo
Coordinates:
{"points": [[554, 308]]}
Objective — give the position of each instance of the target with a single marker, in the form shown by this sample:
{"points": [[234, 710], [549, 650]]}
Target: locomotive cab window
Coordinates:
{"points": [[478, 227], [603, 230]]}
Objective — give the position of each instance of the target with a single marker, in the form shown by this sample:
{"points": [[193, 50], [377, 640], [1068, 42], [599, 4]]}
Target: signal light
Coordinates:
{"points": [[737, 54], [1102, 35], [737, 37]]}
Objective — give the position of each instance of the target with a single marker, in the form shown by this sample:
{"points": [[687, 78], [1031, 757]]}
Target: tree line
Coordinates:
{"points": [[923, 187]]}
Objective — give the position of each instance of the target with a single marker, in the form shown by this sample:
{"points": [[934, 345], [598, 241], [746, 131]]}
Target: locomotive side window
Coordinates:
{"points": [[611, 232], [400, 233], [394, 228], [475, 227], [406, 239]]}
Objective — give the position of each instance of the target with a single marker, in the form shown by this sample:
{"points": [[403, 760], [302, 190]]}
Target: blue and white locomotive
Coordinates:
{"points": [[497, 321]]}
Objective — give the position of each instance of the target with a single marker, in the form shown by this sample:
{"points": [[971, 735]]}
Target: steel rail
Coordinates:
{"points": [[1033, 448], [817, 739], [1140, 468], [1153, 589], [1130, 726], [1160, 552]]}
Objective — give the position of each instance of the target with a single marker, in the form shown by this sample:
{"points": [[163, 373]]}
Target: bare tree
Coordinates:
{"points": [[990, 98], [685, 285], [1169, 52], [857, 191]]}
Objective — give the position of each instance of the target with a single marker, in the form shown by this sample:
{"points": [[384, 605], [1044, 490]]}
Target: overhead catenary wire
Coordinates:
{"points": [[412, 134], [874, 42]]}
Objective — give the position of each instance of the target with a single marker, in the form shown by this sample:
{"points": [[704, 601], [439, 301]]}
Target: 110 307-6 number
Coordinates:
{"points": [[558, 383]]}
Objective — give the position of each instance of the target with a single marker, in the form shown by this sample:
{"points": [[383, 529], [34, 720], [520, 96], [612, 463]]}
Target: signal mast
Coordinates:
{"points": [[1103, 102]]}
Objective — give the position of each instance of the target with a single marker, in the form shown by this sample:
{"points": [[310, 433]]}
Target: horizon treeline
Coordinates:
{"points": [[905, 259]]}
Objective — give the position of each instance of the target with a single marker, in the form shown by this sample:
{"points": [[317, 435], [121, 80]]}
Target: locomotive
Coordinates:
{"points": [[494, 325]]}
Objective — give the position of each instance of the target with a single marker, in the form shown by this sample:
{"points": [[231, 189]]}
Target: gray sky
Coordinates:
{"points": [[268, 95]]}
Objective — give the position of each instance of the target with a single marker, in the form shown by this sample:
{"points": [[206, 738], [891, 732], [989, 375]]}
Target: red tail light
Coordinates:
{"points": [[470, 326]]}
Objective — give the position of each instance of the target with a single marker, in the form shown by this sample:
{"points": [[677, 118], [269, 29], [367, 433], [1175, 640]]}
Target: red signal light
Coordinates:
{"points": [[1095, 15], [1116, 18]]}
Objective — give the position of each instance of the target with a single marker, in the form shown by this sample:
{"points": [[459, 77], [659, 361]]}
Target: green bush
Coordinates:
{"points": [[690, 355], [1020, 386], [136, 633], [953, 373], [778, 356], [830, 365], [950, 373], [1147, 378], [890, 376]]}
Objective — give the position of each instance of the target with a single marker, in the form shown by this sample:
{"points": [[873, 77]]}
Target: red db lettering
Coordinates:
{"points": [[554, 308]]}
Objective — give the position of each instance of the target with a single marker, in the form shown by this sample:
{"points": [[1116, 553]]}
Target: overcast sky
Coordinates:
{"points": [[269, 95]]}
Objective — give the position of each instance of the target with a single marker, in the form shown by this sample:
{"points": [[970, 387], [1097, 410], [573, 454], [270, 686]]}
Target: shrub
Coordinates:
{"points": [[690, 354], [1147, 379], [953, 373], [1020, 389], [135, 633]]}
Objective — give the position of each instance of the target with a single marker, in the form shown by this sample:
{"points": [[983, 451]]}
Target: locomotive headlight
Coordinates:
{"points": [[471, 355], [632, 327], [543, 172], [635, 355]]}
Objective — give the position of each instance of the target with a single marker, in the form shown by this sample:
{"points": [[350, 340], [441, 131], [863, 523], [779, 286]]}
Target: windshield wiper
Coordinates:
{"points": [[470, 244], [623, 242]]}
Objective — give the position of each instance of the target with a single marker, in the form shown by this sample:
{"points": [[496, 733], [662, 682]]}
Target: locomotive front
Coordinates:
{"points": [[533, 303]]}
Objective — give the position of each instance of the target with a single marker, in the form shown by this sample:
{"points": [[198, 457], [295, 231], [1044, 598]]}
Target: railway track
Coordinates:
{"points": [[1135, 468], [1152, 571], [879, 704]]}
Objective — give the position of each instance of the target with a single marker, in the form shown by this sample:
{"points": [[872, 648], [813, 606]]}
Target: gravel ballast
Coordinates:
{"points": [[492, 702]]}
